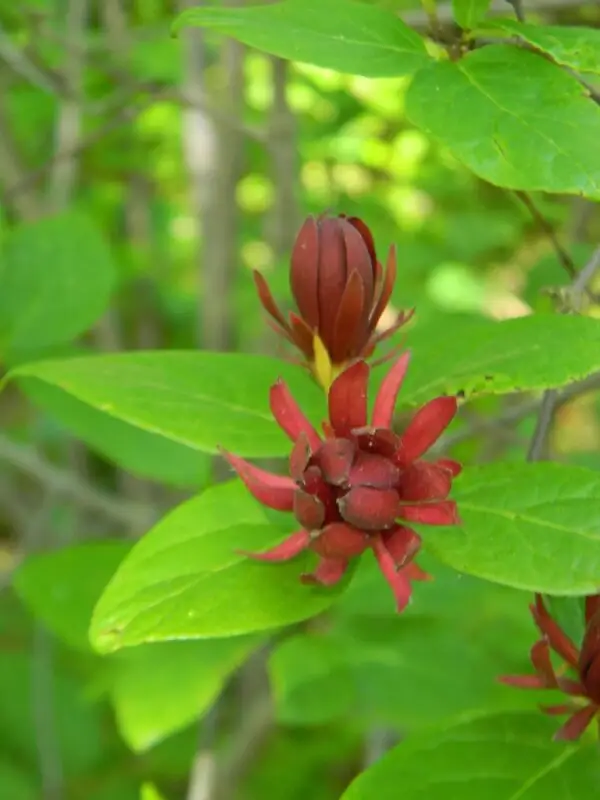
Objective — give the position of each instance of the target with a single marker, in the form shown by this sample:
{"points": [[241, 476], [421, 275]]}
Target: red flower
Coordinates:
{"points": [[341, 291], [359, 486], [585, 691]]}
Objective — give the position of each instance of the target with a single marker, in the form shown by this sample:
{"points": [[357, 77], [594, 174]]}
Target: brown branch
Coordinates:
{"points": [[562, 255]]}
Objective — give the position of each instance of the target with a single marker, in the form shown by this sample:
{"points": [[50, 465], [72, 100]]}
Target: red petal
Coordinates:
{"points": [[348, 399], [333, 273], [349, 331], [569, 686], [398, 580], [267, 300], [380, 441], [385, 402], [557, 638], [284, 551], [274, 491], [453, 467], [443, 513], [369, 509], [290, 417], [308, 510], [422, 481], [335, 460], [366, 234], [576, 724], [301, 335], [304, 272], [329, 571], [339, 540], [386, 289], [540, 658], [523, 681], [425, 427], [373, 470], [415, 573], [402, 544], [299, 457], [592, 605]]}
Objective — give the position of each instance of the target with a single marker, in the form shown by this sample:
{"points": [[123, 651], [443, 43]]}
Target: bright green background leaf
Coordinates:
{"points": [[160, 688], [182, 679], [337, 34], [469, 12], [499, 757], [205, 399], [186, 578], [497, 111], [575, 47], [138, 451], [61, 587], [533, 526], [202, 400], [56, 276]]}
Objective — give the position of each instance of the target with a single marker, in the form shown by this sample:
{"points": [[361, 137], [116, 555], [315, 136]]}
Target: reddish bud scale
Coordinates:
{"points": [[352, 490], [585, 662], [341, 291]]}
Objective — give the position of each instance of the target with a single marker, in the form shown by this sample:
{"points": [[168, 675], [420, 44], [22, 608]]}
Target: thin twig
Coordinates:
{"points": [[68, 484], [563, 256], [579, 288], [518, 9]]}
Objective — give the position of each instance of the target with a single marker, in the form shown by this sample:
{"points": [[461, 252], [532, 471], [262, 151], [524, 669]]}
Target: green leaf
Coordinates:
{"points": [[201, 400], [150, 792], [499, 757], [512, 117], [56, 276], [532, 526], [468, 13], [142, 453], [311, 679], [182, 678], [61, 588], [18, 784], [337, 34], [186, 579], [500, 357], [575, 47]]}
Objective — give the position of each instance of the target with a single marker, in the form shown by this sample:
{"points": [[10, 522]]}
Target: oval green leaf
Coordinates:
{"points": [[496, 109], [496, 757], [337, 34], [186, 579], [531, 526], [201, 400]]}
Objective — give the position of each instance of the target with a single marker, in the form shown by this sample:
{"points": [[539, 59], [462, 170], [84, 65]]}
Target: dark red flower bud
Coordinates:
{"points": [[351, 491], [584, 691], [341, 291]]}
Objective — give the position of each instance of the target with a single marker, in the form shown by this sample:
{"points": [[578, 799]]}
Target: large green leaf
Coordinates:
{"points": [[56, 276], [531, 526], [575, 47], [514, 118], [337, 34], [478, 357], [469, 12], [61, 589], [182, 679], [138, 451], [499, 757], [201, 400], [186, 579]]}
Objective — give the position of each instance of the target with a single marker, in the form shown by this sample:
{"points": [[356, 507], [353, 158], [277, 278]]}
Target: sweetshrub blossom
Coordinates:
{"points": [[584, 692], [341, 290], [360, 486]]}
